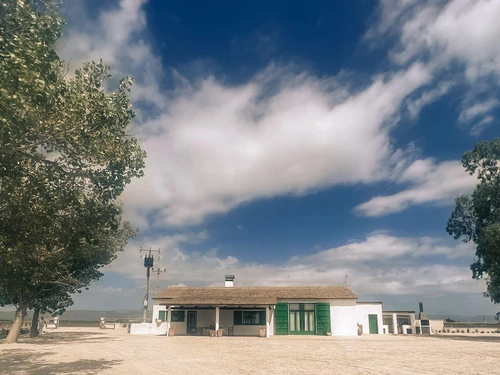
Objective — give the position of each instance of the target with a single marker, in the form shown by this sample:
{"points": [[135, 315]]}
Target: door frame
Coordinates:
{"points": [[301, 314], [188, 331]]}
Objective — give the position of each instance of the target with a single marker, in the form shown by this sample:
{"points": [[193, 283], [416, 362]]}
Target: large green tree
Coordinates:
{"points": [[65, 157], [476, 218]]}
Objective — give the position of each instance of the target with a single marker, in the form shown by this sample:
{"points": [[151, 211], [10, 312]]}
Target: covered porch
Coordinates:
{"points": [[227, 320]]}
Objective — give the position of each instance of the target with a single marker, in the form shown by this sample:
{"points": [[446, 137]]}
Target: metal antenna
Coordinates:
{"points": [[345, 279], [149, 259], [158, 271]]}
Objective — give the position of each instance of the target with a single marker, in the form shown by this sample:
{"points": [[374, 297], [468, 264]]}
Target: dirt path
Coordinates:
{"points": [[94, 351]]}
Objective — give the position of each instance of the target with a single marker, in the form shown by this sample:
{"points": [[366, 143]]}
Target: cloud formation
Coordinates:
{"points": [[428, 181], [378, 264]]}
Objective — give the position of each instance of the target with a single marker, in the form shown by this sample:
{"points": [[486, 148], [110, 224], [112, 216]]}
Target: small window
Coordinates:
{"points": [[249, 317], [177, 316], [294, 306], [163, 316], [309, 306]]}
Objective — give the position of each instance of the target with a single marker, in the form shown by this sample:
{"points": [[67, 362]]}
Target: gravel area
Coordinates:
{"points": [[94, 351]]}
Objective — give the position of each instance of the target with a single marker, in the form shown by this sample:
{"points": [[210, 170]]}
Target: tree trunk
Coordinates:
{"points": [[15, 330], [34, 323]]}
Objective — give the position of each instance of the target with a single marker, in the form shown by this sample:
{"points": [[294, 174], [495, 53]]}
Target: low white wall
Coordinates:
{"points": [[362, 312], [148, 329], [247, 330]]}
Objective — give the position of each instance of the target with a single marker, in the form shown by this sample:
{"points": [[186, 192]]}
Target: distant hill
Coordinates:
{"points": [[462, 318], [89, 315]]}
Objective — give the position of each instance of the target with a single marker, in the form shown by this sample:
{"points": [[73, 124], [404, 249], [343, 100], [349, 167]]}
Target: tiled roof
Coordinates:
{"points": [[249, 295]]}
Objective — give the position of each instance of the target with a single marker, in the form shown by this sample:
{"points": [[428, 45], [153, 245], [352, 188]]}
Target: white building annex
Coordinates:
{"points": [[262, 311]]}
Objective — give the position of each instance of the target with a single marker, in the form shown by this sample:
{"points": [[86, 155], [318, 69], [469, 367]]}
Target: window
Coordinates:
{"points": [[249, 317], [301, 317], [177, 316]]}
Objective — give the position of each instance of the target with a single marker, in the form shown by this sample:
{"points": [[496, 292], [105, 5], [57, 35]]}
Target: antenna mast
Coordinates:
{"points": [[149, 259]]}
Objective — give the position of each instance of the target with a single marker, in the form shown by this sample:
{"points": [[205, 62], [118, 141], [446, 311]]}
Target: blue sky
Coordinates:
{"points": [[295, 143]]}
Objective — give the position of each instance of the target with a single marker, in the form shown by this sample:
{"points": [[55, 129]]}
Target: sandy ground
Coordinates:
{"points": [[94, 351]]}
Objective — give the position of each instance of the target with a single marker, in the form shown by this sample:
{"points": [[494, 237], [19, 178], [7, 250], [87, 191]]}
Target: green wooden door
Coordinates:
{"points": [[323, 318], [192, 322], [281, 318], [373, 323]]}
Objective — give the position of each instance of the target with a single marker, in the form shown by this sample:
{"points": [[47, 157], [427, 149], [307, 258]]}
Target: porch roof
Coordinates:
{"points": [[248, 295]]}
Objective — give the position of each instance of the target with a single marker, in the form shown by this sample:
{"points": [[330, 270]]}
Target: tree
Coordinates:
{"points": [[54, 303], [476, 218], [65, 157]]}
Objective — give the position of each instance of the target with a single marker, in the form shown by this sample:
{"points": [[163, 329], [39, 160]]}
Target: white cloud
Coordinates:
{"points": [[478, 109], [465, 31], [221, 146], [213, 146], [429, 182], [380, 263], [429, 96], [481, 125], [457, 39], [479, 114]]}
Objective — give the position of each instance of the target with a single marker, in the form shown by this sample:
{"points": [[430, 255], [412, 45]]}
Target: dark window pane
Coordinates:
{"points": [[237, 318]]}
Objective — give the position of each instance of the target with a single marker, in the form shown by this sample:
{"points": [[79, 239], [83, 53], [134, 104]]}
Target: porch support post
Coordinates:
{"points": [[413, 325], [395, 323], [169, 318], [216, 318], [268, 318]]}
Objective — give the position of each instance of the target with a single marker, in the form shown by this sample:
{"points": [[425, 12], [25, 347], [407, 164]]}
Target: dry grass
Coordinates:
{"points": [[94, 351]]}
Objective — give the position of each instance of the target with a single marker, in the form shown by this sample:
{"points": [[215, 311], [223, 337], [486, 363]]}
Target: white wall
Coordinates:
{"points": [[343, 320], [156, 311], [148, 329], [362, 311]]}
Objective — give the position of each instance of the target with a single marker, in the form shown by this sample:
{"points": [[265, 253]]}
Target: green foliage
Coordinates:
{"points": [[65, 157], [477, 218]]}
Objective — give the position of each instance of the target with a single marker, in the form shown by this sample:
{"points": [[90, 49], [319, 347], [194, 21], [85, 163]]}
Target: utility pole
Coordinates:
{"points": [[149, 259], [158, 271]]}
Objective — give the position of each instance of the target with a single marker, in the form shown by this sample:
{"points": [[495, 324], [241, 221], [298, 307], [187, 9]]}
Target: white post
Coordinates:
{"points": [[216, 318], [268, 309], [169, 318], [413, 325], [395, 323]]}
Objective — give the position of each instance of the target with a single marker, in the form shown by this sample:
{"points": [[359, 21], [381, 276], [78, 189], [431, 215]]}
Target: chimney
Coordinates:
{"points": [[421, 307], [229, 281]]}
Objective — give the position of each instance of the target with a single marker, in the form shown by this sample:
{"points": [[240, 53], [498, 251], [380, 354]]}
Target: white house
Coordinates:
{"points": [[254, 311]]}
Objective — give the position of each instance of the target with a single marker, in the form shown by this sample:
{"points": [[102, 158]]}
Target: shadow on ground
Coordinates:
{"points": [[61, 338], [29, 362], [467, 338]]}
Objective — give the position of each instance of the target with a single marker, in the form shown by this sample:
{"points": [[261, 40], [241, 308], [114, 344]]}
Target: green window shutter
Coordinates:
{"points": [[238, 318], [323, 318], [281, 318], [162, 316], [262, 317]]}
